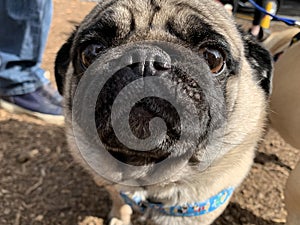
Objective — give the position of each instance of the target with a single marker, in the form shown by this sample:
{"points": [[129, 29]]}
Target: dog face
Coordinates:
{"points": [[213, 83]]}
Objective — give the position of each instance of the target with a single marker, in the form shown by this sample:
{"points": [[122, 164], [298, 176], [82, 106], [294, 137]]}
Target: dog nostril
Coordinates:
{"points": [[134, 65], [161, 65], [149, 68]]}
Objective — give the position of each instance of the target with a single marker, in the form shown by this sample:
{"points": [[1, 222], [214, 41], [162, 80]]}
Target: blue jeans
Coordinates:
{"points": [[24, 27]]}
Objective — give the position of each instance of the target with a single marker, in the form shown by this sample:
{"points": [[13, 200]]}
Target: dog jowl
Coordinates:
{"points": [[165, 100]]}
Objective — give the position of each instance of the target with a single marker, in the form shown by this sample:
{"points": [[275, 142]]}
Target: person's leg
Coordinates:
{"points": [[258, 15], [23, 35]]}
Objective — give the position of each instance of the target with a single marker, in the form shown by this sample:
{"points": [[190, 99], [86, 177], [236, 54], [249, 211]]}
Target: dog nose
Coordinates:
{"points": [[161, 65], [150, 62]]}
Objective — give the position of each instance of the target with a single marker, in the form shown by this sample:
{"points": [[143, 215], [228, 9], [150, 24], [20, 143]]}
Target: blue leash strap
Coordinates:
{"points": [[287, 21]]}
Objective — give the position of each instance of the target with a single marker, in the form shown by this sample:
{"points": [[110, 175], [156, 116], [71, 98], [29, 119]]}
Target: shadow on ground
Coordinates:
{"points": [[41, 184]]}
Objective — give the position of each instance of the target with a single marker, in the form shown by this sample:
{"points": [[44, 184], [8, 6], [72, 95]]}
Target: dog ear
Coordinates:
{"points": [[261, 61], [62, 62]]}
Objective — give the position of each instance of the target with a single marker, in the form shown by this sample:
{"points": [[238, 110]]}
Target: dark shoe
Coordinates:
{"points": [[44, 103]]}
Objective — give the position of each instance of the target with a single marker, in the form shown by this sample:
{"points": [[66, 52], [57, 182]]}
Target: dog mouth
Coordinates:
{"points": [[140, 118], [137, 158]]}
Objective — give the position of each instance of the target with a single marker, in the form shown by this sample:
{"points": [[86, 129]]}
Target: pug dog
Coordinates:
{"points": [[165, 104]]}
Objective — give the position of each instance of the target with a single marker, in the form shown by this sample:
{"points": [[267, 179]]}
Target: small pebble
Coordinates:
{"points": [[6, 211], [23, 158], [33, 153], [39, 218], [90, 220]]}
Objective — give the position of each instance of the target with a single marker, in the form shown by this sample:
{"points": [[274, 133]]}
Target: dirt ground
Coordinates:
{"points": [[40, 183]]}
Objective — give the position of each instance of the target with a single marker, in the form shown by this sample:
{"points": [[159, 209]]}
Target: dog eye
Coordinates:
{"points": [[214, 59], [90, 53]]}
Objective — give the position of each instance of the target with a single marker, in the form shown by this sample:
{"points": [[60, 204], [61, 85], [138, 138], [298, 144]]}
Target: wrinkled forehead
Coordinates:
{"points": [[196, 20]]}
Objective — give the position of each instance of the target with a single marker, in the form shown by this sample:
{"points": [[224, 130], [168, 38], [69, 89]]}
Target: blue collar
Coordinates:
{"points": [[194, 209]]}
